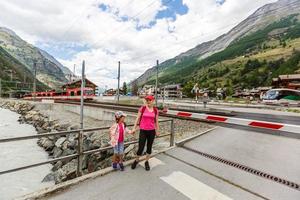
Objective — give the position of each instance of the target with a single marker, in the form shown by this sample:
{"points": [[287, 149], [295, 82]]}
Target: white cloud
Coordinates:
{"points": [[112, 40]]}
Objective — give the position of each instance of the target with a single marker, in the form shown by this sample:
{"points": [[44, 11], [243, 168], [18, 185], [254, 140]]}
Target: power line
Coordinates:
{"points": [[76, 19], [133, 17], [251, 17]]}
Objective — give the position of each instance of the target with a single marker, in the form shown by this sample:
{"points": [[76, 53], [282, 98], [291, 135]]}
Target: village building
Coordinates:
{"points": [[77, 84], [172, 91], [290, 81], [147, 90]]}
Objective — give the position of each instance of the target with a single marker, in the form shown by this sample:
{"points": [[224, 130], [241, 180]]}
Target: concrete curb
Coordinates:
{"points": [[181, 142], [47, 192]]}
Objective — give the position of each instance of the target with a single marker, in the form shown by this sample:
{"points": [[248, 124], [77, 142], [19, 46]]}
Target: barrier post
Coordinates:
{"points": [[172, 137], [80, 154]]}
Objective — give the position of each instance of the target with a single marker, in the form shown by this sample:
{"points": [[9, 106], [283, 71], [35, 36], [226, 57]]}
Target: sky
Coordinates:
{"points": [[134, 32]]}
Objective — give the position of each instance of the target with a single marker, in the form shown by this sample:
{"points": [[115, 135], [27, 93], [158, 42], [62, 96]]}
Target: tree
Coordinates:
{"points": [[134, 88], [124, 88], [187, 89]]}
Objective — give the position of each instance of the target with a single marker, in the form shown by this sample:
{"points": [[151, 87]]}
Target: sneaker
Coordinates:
{"points": [[115, 166], [133, 166], [147, 166], [121, 166]]}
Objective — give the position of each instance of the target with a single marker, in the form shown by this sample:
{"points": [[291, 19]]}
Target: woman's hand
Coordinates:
{"points": [[132, 131], [157, 133]]}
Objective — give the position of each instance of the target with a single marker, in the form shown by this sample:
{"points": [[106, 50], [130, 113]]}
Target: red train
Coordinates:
{"points": [[68, 94]]}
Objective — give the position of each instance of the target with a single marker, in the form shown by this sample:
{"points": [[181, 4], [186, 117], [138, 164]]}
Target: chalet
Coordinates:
{"points": [[77, 84], [291, 81], [172, 91]]}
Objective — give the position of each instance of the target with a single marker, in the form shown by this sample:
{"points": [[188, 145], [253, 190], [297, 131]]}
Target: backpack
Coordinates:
{"points": [[143, 110]]}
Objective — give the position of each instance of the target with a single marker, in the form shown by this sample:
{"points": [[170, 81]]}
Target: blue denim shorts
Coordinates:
{"points": [[119, 148]]}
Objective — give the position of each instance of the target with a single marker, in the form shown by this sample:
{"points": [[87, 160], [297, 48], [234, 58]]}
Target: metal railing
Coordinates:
{"points": [[80, 153]]}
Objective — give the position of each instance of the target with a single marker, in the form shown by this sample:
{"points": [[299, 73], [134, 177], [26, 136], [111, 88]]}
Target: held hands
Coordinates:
{"points": [[132, 131]]}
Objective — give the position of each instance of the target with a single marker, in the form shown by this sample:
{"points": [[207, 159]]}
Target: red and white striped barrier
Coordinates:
{"points": [[238, 121]]}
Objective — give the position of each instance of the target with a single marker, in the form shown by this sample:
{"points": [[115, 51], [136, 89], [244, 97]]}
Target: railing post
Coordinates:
{"points": [[172, 137], [80, 154]]}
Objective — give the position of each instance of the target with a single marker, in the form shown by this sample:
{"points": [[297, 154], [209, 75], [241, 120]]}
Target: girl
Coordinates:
{"points": [[117, 134], [149, 128]]}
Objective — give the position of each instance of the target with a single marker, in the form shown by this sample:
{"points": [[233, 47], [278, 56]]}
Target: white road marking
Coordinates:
{"points": [[192, 188], [153, 162]]}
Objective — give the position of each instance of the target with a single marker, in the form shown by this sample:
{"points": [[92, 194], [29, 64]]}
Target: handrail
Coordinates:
{"points": [[28, 137], [79, 153]]}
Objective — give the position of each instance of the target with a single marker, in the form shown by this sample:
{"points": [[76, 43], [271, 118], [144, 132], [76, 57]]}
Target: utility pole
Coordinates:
{"points": [[80, 135], [34, 81], [74, 72], [0, 87], [81, 94], [118, 91], [156, 84]]}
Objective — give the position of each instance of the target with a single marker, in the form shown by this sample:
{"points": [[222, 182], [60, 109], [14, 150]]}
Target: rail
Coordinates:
{"points": [[80, 153]]}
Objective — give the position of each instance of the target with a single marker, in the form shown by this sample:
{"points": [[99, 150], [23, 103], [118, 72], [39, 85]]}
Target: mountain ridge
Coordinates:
{"points": [[262, 17], [49, 70]]}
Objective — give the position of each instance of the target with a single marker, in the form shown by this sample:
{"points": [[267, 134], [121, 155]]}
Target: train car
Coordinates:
{"points": [[69, 94], [284, 97]]}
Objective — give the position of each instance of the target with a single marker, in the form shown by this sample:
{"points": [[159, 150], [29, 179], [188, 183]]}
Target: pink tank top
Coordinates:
{"points": [[121, 132], [147, 120]]}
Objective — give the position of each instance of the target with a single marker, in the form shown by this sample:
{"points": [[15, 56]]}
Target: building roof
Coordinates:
{"points": [[289, 77], [88, 83], [172, 86]]}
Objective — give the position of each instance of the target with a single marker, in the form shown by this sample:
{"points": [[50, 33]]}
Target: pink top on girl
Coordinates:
{"points": [[121, 133], [147, 119]]}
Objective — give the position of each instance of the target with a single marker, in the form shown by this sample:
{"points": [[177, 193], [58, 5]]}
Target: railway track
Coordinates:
{"points": [[134, 108], [126, 108]]}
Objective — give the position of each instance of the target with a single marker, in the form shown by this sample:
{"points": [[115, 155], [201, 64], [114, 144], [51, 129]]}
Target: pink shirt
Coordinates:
{"points": [[147, 120], [121, 132]]}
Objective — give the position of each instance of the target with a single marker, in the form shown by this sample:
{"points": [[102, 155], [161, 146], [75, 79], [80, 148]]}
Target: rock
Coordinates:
{"points": [[46, 143], [130, 155], [62, 127], [57, 165], [96, 144], [129, 149], [86, 144], [60, 141], [74, 127], [73, 144], [70, 169], [56, 152], [40, 130], [59, 176], [105, 142], [67, 152], [50, 177]]}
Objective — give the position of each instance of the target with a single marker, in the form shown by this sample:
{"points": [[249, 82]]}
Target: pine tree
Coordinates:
{"points": [[124, 88]]}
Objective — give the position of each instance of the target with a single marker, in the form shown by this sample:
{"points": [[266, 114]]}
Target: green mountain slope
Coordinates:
{"points": [[259, 20], [250, 61], [22, 78], [49, 70]]}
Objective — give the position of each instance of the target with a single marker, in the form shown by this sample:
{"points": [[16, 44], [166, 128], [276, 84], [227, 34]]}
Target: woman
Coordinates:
{"points": [[147, 119]]}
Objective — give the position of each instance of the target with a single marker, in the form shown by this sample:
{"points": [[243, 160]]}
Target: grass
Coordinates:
{"points": [[293, 110]]}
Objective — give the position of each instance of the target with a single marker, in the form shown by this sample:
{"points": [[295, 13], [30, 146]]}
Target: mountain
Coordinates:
{"points": [[260, 19], [14, 75], [49, 70]]}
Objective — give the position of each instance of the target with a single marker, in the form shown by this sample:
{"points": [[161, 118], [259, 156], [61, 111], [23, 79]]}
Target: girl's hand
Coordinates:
{"points": [[157, 133]]}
